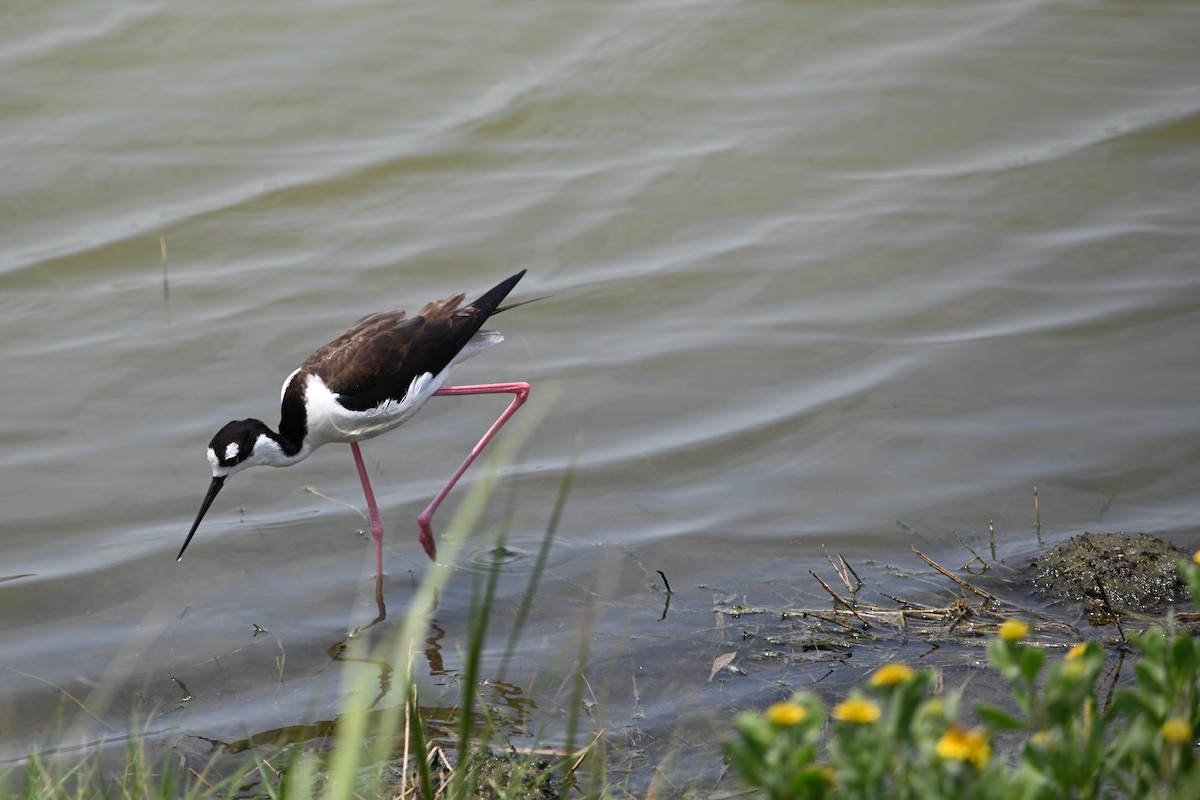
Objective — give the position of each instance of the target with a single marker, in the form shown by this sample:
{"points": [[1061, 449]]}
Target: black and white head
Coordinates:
{"points": [[243, 443], [240, 444]]}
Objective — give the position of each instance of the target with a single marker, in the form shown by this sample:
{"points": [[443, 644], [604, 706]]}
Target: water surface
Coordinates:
{"points": [[849, 275]]}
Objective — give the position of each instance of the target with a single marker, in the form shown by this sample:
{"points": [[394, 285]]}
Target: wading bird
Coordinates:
{"points": [[365, 382]]}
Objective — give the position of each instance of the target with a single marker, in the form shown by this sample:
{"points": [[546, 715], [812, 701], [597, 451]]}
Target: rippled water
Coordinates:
{"points": [[837, 274]]}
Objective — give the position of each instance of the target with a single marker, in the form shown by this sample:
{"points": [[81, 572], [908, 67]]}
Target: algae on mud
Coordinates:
{"points": [[1126, 572]]}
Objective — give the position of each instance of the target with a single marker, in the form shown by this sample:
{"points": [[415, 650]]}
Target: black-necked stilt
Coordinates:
{"points": [[365, 382]]}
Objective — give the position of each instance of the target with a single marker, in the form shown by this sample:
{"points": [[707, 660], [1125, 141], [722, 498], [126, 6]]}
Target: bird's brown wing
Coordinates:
{"points": [[363, 328], [379, 357]]}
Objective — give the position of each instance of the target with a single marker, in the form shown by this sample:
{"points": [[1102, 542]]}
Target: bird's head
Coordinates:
{"points": [[240, 444]]}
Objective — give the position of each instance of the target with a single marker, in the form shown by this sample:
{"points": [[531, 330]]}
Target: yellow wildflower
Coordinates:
{"points": [[1013, 630], [1076, 651], [1196, 557], [1177, 730], [857, 710], [891, 674], [971, 746], [786, 714]]}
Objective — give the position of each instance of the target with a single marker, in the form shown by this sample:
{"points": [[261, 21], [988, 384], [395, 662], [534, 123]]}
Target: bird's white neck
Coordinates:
{"points": [[268, 452]]}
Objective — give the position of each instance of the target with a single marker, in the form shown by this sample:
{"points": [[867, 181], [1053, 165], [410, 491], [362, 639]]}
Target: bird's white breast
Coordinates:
{"points": [[330, 421]]}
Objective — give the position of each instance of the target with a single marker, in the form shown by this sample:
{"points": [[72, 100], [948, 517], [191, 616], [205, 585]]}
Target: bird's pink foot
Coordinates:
{"points": [[426, 537]]}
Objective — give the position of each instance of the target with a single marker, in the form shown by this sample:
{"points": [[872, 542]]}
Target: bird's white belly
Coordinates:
{"points": [[329, 421]]}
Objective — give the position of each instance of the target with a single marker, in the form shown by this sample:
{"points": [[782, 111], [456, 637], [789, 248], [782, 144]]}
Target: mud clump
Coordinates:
{"points": [[1137, 572]]}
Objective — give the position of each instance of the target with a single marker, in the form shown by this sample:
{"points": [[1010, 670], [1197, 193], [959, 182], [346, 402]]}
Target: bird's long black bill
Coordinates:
{"points": [[213, 488]]}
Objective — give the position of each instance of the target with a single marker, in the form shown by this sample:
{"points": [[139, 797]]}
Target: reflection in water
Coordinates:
{"points": [[440, 722], [337, 652], [357, 638], [433, 650]]}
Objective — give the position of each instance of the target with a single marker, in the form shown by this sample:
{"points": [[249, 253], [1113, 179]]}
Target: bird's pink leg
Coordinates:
{"points": [[376, 522], [520, 392]]}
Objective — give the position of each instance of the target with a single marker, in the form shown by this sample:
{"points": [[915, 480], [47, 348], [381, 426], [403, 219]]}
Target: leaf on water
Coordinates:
{"points": [[720, 663]]}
